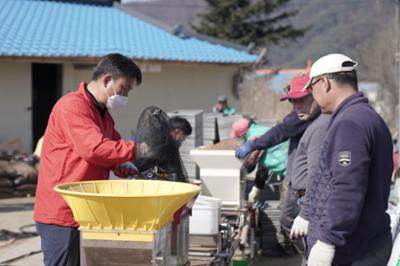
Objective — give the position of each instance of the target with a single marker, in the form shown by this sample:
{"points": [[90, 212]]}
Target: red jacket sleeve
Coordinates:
{"points": [[116, 135], [87, 139]]}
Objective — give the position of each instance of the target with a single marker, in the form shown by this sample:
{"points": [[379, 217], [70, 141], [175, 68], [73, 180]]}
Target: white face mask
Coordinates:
{"points": [[116, 101]]}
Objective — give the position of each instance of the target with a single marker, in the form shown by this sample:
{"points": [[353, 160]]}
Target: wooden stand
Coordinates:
{"points": [[98, 252]]}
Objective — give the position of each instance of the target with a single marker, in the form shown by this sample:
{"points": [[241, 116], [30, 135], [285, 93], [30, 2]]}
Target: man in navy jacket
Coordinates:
{"points": [[350, 190]]}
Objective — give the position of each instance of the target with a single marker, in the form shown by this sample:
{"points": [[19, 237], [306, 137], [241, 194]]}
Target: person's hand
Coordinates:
{"points": [[125, 170], [253, 157], [142, 150], [260, 154], [254, 194], [321, 254], [243, 150], [299, 228]]}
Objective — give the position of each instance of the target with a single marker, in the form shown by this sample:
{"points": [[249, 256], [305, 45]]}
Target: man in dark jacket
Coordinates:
{"points": [[349, 192], [292, 129]]}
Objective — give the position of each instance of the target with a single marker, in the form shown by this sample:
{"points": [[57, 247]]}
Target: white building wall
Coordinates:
{"points": [[15, 103], [175, 86]]}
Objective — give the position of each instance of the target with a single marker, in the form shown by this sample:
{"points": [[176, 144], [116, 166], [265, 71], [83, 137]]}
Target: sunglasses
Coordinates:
{"points": [[310, 87]]}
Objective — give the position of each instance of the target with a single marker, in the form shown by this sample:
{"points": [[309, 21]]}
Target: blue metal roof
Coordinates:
{"points": [[53, 29]]}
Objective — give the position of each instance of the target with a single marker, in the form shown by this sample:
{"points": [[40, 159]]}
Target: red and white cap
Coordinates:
{"points": [[296, 88], [331, 63]]}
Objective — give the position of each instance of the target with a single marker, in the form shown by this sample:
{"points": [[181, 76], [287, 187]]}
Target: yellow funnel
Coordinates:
{"points": [[126, 205]]}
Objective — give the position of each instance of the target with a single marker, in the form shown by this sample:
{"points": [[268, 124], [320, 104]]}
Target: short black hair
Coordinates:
{"points": [[345, 78], [117, 65], [181, 123]]}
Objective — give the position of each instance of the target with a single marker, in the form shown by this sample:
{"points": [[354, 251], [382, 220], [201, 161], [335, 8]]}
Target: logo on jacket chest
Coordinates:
{"points": [[344, 158]]}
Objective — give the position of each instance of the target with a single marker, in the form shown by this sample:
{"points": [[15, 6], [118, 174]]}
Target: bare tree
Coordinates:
{"points": [[258, 98]]}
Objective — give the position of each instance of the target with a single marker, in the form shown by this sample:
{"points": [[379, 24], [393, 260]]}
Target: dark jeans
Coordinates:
{"points": [[60, 245]]}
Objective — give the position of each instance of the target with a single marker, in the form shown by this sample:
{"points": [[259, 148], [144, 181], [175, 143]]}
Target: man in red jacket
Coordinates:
{"points": [[80, 143]]}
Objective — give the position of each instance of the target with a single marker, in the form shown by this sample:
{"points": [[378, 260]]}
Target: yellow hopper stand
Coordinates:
{"points": [[126, 222]]}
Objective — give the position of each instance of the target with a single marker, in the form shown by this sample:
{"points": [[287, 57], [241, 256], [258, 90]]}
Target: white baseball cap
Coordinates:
{"points": [[331, 63]]}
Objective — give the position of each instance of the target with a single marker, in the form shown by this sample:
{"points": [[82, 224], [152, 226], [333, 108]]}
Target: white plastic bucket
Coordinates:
{"points": [[209, 201], [206, 214]]}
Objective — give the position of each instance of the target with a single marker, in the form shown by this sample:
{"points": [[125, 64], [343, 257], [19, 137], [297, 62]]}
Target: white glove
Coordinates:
{"points": [[142, 150], [299, 228], [321, 254], [254, 193]]}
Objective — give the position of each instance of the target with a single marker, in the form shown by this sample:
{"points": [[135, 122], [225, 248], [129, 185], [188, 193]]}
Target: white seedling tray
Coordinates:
{"points": [[215, 159], [220, 173]]}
